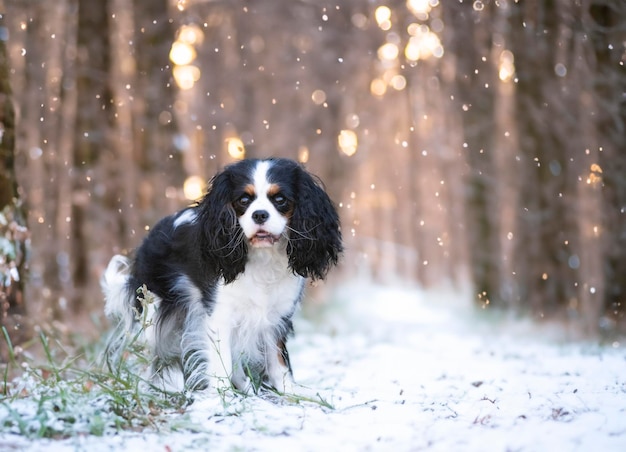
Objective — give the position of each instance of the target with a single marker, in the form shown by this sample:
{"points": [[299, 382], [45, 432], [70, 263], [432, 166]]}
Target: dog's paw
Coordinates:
{"points": [[287, 386], [244, 385]]}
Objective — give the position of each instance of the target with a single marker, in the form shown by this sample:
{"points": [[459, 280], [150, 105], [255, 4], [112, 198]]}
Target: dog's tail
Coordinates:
{"points": [[133, 325], [118, 307], [114, 284]]}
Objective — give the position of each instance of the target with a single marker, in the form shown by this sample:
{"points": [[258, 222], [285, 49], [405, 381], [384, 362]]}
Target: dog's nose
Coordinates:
{"points": [[260, 216]]}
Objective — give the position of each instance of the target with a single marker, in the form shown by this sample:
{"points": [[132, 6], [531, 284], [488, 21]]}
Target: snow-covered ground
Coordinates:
{"points": [[409, 370]]}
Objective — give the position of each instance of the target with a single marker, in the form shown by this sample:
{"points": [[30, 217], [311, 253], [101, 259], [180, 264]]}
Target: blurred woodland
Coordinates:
{"points": [[479, 141]]}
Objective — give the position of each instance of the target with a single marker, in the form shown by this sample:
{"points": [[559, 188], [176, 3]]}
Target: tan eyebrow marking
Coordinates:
{"points": [[249, 189], [273, 189]]}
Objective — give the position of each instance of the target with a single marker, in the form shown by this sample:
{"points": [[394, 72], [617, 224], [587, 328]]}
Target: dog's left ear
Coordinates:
{"points": [[315, 237]]}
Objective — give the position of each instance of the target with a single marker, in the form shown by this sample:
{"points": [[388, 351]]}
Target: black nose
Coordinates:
{"points": [[260, 216]]}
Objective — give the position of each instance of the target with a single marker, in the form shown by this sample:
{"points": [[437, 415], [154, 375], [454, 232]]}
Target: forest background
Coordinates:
{"points": [[463, 141]]}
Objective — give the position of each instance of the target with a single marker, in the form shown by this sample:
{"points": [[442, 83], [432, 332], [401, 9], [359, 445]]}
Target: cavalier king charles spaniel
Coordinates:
{"points": [[225, 277]]}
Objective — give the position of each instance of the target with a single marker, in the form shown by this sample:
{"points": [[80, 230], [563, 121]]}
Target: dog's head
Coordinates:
{"points": [[268, 203]]}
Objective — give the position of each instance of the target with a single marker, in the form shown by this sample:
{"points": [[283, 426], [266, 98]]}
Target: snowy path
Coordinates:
{"points": [[404, 373]]}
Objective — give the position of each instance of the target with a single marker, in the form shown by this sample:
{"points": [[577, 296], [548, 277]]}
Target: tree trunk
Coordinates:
{"points": [[547, 255], [13, 233], [93, 101], [475, 90], [8, 181], [154, 90], [605, 24]]}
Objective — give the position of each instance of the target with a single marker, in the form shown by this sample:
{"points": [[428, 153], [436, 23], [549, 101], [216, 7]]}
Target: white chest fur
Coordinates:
{"points": [[248, 310]]}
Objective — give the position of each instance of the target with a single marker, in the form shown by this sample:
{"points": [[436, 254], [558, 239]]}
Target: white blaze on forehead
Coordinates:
{"points": [[259, 178], [261, 188]]}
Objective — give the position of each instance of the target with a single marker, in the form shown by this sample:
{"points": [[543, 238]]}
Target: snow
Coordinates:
{"points": [[406, 370]]}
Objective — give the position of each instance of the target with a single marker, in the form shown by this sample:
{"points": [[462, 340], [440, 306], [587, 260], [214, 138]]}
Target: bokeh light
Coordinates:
{"points": [[348, 142]]}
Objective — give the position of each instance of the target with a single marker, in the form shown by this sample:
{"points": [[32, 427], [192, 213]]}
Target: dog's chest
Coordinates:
{"points": [[261, 296]]}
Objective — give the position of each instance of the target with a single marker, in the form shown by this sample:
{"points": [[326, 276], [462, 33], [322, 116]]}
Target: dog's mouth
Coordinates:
{"points": [[264, 238]]}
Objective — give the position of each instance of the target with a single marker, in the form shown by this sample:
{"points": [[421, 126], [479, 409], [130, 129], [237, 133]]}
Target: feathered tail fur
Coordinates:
{"points": [[114, 285], [134, 326]]}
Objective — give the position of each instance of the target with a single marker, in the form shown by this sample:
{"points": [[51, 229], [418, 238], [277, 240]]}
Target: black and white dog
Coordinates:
{"points": [[227, 275]]}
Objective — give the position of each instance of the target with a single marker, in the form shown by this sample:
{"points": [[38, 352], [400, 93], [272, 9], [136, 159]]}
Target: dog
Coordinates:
{"points": [[226, 276]]}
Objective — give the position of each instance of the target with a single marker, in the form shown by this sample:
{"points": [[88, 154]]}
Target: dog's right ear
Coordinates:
{"points": [[220, 236]]}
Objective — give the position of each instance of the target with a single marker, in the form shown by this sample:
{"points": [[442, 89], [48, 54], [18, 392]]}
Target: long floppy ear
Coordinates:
{"points": [[315, 237], [220, 236]]}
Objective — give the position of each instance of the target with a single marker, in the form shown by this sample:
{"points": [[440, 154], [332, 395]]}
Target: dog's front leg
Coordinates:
{"points": [[278, 368], [220, 355]]}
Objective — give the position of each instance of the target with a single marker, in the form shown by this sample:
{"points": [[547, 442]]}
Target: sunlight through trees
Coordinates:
{"points": [[462, 141]]}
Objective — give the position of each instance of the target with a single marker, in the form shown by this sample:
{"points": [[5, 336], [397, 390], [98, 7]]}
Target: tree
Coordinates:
{"points": [[13, 233], [606, 25], [546, 232], [570, 130], [95, 146], [470, 41]]}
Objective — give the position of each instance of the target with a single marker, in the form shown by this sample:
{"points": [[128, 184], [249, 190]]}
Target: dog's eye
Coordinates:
{"points": [[244, 201], [279, 200]]}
